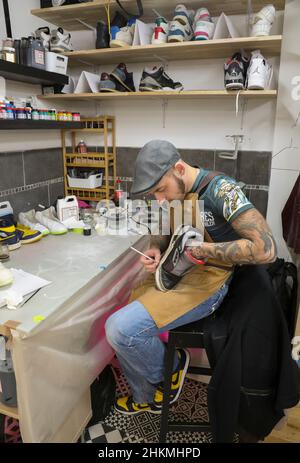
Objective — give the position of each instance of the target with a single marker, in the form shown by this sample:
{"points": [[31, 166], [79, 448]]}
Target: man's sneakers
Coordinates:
{"points": [[122, 77], [29, 220], [157, 79], [122, 36], [235, 72], [161, 30], [6, 276], [8, 234], [60, 42], [259, 73], [181, 29], [177, 261], [127, 406], [26, 235], [49, 219], [203, 26], [262, 21]]}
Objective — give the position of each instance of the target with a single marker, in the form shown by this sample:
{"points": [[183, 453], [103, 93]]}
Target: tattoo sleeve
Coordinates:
{"points": [[256, 246]]}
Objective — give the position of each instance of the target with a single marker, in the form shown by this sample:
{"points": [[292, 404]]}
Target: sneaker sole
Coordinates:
{"points": [[123, 412], [59, 233], [108, 90], [13, 247], [185, 369], [234, 86], [119, 43], [162, 260], [32, 240], [160, 89], [6, 282]]}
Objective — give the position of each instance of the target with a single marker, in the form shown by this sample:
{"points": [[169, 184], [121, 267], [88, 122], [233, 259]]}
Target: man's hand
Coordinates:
{"points": [[149, 265]]}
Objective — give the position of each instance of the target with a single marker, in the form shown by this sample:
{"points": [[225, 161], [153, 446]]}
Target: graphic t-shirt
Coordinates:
{"points": [[223, 202]]}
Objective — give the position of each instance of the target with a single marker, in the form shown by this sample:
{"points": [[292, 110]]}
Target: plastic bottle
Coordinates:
{"points": [[119, 195], [81, 147]]}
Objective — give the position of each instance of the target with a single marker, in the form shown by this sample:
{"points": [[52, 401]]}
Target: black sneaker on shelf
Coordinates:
{"points": [[102, 40], [157, 79], [107, 84], [177, 261], [235, 72], [119, 20], [121, 76]]}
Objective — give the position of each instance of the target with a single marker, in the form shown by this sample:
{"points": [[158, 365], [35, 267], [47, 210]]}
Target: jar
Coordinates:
{"points": [[69, 116], [28, 113], [20, 113], [76, 117], [60, 116], [9, 54], [8, 43], [35, 115]]}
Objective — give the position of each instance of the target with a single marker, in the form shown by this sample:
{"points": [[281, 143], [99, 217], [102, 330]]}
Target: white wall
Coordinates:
{"points": [[189, 124]]}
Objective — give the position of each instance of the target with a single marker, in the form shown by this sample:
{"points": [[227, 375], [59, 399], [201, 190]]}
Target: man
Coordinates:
{"points": [[236, 233]]}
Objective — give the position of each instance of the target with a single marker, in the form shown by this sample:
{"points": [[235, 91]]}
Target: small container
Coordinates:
{"points": [[28, 113], [87, 230], [81, 147], [35, 115], [9, 54], [76, 117]]}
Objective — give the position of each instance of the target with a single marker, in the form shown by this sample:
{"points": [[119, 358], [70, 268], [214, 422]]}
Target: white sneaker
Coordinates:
{"points": [[161, 30], [43, 33], [49, 219], [121, 37], [29, 220], [59, 41], [204, 30], [262, 21], [6, 277], [181, 29], [259, 73], [202, 14]]}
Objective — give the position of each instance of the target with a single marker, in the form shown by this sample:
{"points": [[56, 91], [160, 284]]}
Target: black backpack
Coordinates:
{"points": [[103, 392], [285, 283]]}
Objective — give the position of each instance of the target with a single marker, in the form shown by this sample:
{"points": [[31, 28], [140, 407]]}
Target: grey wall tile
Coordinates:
{"points": [[259, 199], [201, 158], [11, 170], [28, 199], [41, 165], [126, 157], [254, 167], [56, 189], [227, 166]]}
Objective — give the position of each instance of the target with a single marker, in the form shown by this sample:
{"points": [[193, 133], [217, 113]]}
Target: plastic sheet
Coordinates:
{"points": [[56, 363]]}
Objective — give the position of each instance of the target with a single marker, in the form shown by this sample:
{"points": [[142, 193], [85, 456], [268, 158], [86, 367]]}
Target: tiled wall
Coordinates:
{"points": [[30, 178], [251, 168], [35, 177]]}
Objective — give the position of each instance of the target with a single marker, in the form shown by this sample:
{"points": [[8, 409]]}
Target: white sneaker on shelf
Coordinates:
{"points": [[60, 42], [6, 277], [202, 14], [29, 220], [204, 30], [43, 33], [161, 30], [49, 219], [181, 29], [262, 21], [121, 37], [259, 73]]}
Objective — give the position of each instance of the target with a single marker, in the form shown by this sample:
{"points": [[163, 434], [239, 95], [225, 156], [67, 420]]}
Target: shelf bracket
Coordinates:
{"points": [[164, 111], [85, 24]]}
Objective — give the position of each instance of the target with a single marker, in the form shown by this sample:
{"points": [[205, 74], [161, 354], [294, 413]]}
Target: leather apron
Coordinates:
{"points": [[200, 283]]}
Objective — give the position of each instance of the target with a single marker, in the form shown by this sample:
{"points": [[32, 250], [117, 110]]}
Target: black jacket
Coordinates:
{"points": [[254, 377]]}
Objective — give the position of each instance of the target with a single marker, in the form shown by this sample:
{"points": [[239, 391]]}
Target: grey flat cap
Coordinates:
{"points": [[153, 162]]}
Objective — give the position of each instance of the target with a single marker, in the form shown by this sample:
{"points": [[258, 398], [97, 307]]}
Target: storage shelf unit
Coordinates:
{"points": [[185, 94], [9, 411], [28, 74], [83, 15], [206, 49], [19, 124], [105, 159]]}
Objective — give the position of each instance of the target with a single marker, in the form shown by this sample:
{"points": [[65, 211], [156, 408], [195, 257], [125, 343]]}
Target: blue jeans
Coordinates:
{"points": [[133, 334]]}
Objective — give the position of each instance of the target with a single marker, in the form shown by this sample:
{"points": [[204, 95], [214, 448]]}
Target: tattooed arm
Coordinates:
{"points": [[256, 246]]}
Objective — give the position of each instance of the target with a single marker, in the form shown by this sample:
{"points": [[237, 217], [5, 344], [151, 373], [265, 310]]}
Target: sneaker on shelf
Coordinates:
{"points": [[27, 235], [177, 261], [181, 29], [124, 78], [262, 21], [259, 73], [108, 84], [60, 42], [49, 219], [102, 40], [178, 378], [8, 233], [122, 37], [204, 30], [157, 79], [29, 220], [127, 406], [118, 20], [202, 14], [43, 33], [235, 72], [6, 276], [161, 30]]}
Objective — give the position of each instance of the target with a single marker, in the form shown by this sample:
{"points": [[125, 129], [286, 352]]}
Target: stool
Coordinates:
{"points": [[191, 335]]}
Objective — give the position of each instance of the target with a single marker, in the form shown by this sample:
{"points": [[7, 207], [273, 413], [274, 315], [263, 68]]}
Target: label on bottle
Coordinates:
{"points": [[39, 57]]}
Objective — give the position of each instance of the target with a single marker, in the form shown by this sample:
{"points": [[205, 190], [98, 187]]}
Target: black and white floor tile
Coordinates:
{"points": [[144, 427]]}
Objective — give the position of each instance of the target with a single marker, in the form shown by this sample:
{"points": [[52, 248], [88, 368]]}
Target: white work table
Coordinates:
{"points": [[58, 338]]}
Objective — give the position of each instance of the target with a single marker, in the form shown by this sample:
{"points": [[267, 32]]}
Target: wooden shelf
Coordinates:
{"points": [[9, 411], [206, 49], [81, 16], [20, 73], [19, 124], [185, 94]]}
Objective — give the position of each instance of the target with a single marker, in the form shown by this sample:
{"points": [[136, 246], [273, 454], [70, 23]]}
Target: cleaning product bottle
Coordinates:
{"points": [[119, 196]]}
